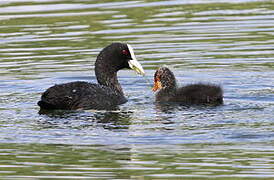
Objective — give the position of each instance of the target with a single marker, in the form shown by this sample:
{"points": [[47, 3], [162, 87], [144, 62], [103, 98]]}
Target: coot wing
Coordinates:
{"points": [[80, 95]]}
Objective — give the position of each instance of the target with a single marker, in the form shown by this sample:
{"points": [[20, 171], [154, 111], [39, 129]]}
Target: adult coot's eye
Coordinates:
{"points": [[125, 52]]}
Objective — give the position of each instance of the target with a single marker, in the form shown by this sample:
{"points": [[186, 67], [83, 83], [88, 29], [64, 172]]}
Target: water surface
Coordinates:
{"points": [[45, 42]]}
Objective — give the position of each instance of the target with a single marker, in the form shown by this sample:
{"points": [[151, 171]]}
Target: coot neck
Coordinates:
{"points": [[106, 75], [169, 90], [169, 87]]}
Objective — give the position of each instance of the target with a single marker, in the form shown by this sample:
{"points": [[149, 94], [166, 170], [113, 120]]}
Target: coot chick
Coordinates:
{"points": [[103, 96], [165, 83]]}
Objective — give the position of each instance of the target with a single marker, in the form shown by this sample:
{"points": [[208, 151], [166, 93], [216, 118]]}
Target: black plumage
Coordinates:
{"points": [[105, 95], [200, 93]]}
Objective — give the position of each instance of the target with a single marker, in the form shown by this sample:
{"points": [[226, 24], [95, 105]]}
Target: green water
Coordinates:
{"points": [[44, 42]]}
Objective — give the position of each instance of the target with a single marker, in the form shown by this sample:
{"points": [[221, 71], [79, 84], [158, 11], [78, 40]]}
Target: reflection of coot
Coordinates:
{"points": [[105, 95], [83, 119], [114, 120], [165, 82]]}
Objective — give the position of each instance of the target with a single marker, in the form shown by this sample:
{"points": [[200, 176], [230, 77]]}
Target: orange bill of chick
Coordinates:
{"points": [[157, 84]]}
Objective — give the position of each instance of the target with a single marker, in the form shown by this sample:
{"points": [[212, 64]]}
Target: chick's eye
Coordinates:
{"points": [[125, 52]]}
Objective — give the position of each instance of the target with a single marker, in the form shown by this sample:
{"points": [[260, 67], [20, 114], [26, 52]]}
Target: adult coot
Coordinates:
{"points": [[105, 95], [165, 83]]}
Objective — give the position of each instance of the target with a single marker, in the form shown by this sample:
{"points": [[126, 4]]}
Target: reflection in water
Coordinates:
{"points": [[63, 161], [128, 162], [110, 120], [114, 120], [170, 107], [57, 41], [180, 117]]}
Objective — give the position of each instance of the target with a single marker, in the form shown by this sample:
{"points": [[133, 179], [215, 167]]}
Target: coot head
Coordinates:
{"points": [[118, 56], [164, 78]]}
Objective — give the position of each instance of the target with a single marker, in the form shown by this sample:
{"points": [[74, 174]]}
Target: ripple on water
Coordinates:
{"points": [[55, 41]]}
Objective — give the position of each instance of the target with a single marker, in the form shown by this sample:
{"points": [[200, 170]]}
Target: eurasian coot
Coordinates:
{"points": [[165, 83], [105, 95]]}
